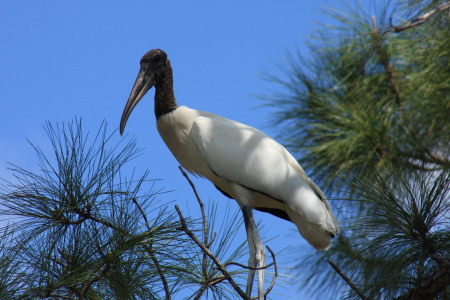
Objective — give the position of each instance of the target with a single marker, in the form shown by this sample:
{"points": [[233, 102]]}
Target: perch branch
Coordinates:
{"points": [[205, 222], [421, 19], [347, 280], [205, 250]]}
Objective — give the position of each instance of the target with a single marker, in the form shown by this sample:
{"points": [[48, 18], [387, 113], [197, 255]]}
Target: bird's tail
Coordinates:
{"points": [[315, 222]]}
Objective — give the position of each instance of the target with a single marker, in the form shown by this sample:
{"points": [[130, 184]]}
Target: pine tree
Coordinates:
{"points": [[369, 115], [79, 228]]}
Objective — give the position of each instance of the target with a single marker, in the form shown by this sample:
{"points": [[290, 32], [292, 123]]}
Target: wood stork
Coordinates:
{"points": [[241, 161]]}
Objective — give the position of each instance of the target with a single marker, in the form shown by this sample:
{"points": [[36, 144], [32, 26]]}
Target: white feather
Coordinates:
{"points": [[228, 153]]}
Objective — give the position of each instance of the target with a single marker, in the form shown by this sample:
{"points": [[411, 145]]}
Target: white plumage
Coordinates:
{"points": [[225, 151], [241, 161]]}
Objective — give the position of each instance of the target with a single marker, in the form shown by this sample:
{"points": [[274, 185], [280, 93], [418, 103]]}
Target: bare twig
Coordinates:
{"points": [[217, 280], [374, 25], [248, 267], [202, 207], [87, 215], [212, 240], [420, 20], [347, 280], [205, 222], [201, 291], [205, 250]]}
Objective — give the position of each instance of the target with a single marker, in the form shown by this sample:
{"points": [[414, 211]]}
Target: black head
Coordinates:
{"points": [[154, 67], [154, 57], [155, 62]]}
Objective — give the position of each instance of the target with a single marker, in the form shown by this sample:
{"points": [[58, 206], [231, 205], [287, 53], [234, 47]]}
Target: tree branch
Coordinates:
{"points": [[248, 267], [152, 255], [205, 250], [384, 58], [420, 20], [86, 215], [206, 244], [205, 274], [426, 154], [205, 222], [431, 287], [102, 273], [347, 280]]}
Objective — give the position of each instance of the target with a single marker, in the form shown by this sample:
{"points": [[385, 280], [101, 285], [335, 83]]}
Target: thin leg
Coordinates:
{"points": [[257, 252]]}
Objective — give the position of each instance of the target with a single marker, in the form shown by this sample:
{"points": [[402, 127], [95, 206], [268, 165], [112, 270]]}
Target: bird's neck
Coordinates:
{"points": [[164, 95]]}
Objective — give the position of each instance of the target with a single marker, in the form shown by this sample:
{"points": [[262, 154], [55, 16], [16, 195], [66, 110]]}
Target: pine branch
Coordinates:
{"points": [[420, 20], [152, 255], [205, 237], [208, 252], [206, 244], [74, 210], [342, 109], [102, 273], [431, 287], [347, 280], [248, 267], [384, 58], [205, 222]]}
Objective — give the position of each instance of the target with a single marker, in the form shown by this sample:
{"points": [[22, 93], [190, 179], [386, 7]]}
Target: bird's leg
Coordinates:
{"points": [[257, 252]]}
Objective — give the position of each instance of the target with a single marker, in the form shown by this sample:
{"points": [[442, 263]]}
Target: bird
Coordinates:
{"points": [[242, 162]]}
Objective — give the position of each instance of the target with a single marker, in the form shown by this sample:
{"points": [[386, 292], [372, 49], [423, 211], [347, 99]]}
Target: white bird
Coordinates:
{"points": [[242, 162]]}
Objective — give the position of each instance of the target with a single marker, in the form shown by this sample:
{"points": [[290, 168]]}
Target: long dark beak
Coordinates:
{"points": [[143, 83]]}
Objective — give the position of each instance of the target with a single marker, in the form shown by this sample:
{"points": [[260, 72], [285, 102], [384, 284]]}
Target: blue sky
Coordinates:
{"points": [[61, 59]]}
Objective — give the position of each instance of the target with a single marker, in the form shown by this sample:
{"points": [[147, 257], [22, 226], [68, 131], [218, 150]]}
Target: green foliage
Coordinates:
{"points": [[368, 99], [204, 272], [368, 112], [402, 232], [393, 243], [79, 229]]}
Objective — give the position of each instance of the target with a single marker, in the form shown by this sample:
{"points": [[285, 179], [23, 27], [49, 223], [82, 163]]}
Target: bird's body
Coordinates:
{"points": [[241, 161], [227, 152]]}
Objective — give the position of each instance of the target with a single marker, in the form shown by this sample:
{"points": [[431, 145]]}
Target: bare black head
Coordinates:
{"points": [[155, 71]]}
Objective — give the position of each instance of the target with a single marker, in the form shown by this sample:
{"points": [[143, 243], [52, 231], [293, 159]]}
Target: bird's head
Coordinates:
{"points": [[153, 66]]}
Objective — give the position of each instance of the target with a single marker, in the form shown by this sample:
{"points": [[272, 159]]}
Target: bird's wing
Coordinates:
{"points": [[245, 155], [301, 173]]}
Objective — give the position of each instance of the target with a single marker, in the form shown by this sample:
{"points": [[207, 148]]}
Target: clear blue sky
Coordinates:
{"points": [[61, 59]]}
